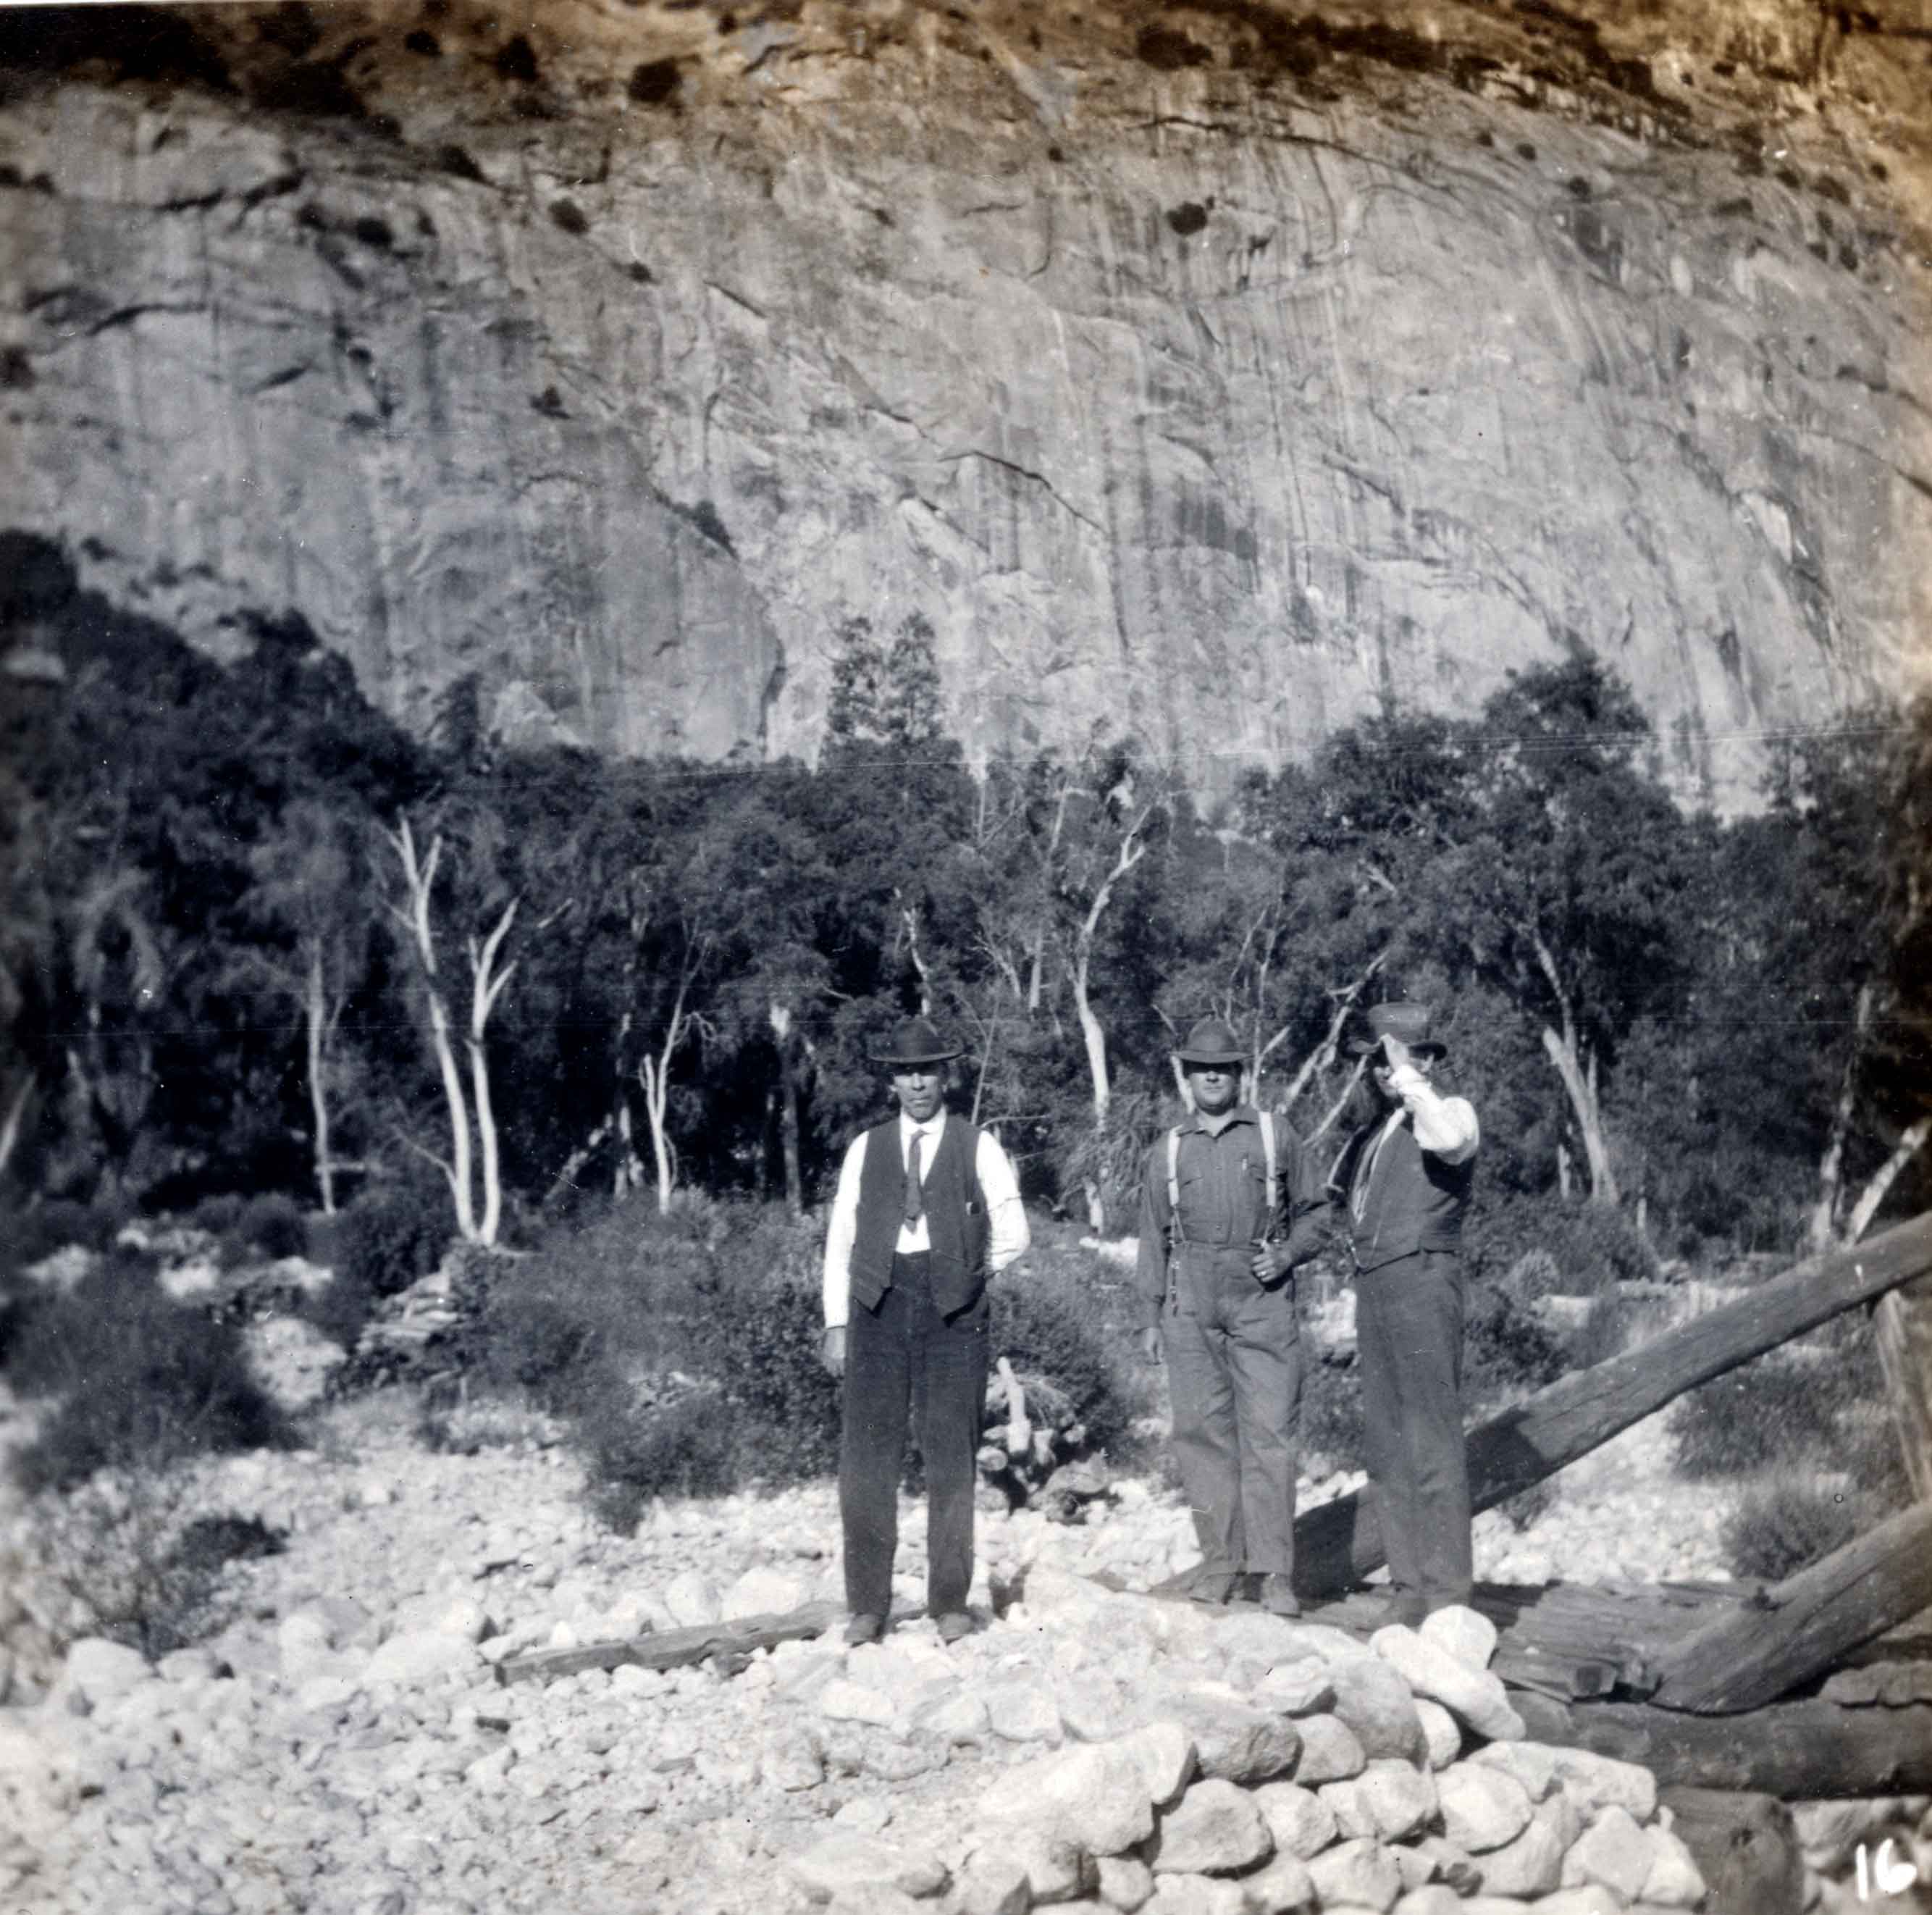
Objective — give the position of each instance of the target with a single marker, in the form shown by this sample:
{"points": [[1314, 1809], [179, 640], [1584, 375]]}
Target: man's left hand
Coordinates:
{"points": [[1397, 1051], [1271, 1261]]}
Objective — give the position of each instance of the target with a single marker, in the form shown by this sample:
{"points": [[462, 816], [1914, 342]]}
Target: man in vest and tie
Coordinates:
{"points": [[1403, 1182], [927, 1207], [1229, 1205]]}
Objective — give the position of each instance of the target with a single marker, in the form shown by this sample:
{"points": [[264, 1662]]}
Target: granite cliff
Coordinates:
{"points": [[1213, 370]]}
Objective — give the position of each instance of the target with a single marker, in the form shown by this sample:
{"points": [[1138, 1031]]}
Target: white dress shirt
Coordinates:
{"points": [[1443, 1127], [1007, 1235]]}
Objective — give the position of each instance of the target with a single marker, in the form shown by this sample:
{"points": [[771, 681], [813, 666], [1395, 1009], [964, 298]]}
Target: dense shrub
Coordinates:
{"points": [[1774, 1533], [340, 1307], [27, 1236], [1543, 1246], [219, 1213], [392, 1235], [1783, 1409], [274, 1225], [1508, 1351], [136, 1379]]}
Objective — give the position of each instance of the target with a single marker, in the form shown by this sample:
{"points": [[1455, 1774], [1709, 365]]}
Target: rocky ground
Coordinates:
{"points": [[344, 1743]]}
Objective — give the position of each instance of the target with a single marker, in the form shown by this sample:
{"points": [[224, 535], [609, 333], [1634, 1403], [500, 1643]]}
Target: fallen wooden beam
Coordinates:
{"points": [[1340, 1543], [675, 1649], [1802, 1628], [1796, 1751], [1902, 1325]]}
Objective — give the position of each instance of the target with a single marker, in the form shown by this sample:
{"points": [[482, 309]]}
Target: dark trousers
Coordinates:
{"points": [[901, 1356], [1234, 1369], [1408, 1331]]}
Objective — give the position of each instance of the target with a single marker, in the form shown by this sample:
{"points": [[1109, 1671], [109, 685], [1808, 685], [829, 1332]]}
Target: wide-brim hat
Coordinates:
{"points": [[917, 1040], [1212, 1042], [1408, 1022]]}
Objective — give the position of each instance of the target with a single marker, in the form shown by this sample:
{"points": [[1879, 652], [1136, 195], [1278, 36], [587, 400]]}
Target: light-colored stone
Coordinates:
{"points": [[1390, 1800], [764, 1590], [1600, 1781], [691, 1598], [1592, 1898], [443, 1611], [420, 1657], [101, 1669], [1196, 1895], [1473, 1696], [1021, 1713], [842, 1701], [865, 1814], [847, 1861], [1300, 1688], [1533, 1764], [1613, 1851], [792, 1763], [1451, 1865], [960, 1718], [1441, 1732], [1467, 1634], [1483, 1807], [1375, 1700], [1057, 1869], [1675, 1880], [1532, 1864], [1301, 1823], [1281, 1886], [1096, 1794], [1125, 1882], [1433, 1898], [993, 1886], [1215, 1828], [873, 1898], [1166, 1753], [1331, 1750], [1233, 1742], [1361, 1874]]}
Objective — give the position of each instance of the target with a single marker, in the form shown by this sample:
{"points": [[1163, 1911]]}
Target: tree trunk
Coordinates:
{"points": [[1874, 1194], [488, 985], [14, 1122], [655, 1076], [783, 1031], [456, 1170], [1824, 1223], [315, 1011], [1579, 1081]]}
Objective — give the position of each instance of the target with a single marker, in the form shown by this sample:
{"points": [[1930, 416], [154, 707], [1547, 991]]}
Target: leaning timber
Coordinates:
{"points": [[1798, 1751], [1903, 1324], [676, 1649], [1800, 1627], [1340, 1542]]}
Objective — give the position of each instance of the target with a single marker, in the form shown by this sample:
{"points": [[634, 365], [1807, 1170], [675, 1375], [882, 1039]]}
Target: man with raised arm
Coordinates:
{"points": [[1403, 1183], [927, 1207]]}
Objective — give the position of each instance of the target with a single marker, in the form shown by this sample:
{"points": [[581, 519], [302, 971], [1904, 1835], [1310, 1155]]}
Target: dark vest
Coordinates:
{"points": [[955, 1216], [1415, 1200]]}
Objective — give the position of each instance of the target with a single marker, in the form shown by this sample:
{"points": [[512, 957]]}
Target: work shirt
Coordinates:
{"points": [[1007, 1233], [1222, 1171], [1443, 1127]]}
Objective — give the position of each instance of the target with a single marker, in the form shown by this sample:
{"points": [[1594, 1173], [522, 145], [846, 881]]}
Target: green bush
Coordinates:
{"points": [[135, 1379], [27, 1237], [1508, 1351], [1775, 1532], [340, 1307], [217, 1213]]}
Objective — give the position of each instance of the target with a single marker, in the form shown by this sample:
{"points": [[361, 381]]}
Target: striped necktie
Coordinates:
{"points": [[915, 1206]]}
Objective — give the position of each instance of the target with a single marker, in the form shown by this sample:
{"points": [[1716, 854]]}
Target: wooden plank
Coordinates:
{"points": [[1340, 1542], [1879, 1686], [1795, 1750], [675, 1649], [1902, 1327], [1802, 1627]]}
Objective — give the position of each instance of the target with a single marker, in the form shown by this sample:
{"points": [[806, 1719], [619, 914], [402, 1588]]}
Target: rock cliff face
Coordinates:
{"points": [[1208, 372]]}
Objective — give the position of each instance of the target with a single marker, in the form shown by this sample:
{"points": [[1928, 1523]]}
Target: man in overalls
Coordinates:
{"points": [[1229, 1205]]}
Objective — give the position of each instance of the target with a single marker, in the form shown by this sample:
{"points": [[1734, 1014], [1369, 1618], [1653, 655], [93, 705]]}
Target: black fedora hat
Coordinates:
{"points": [[917, 1040], [1212, 1042], [1408, 1023]]}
